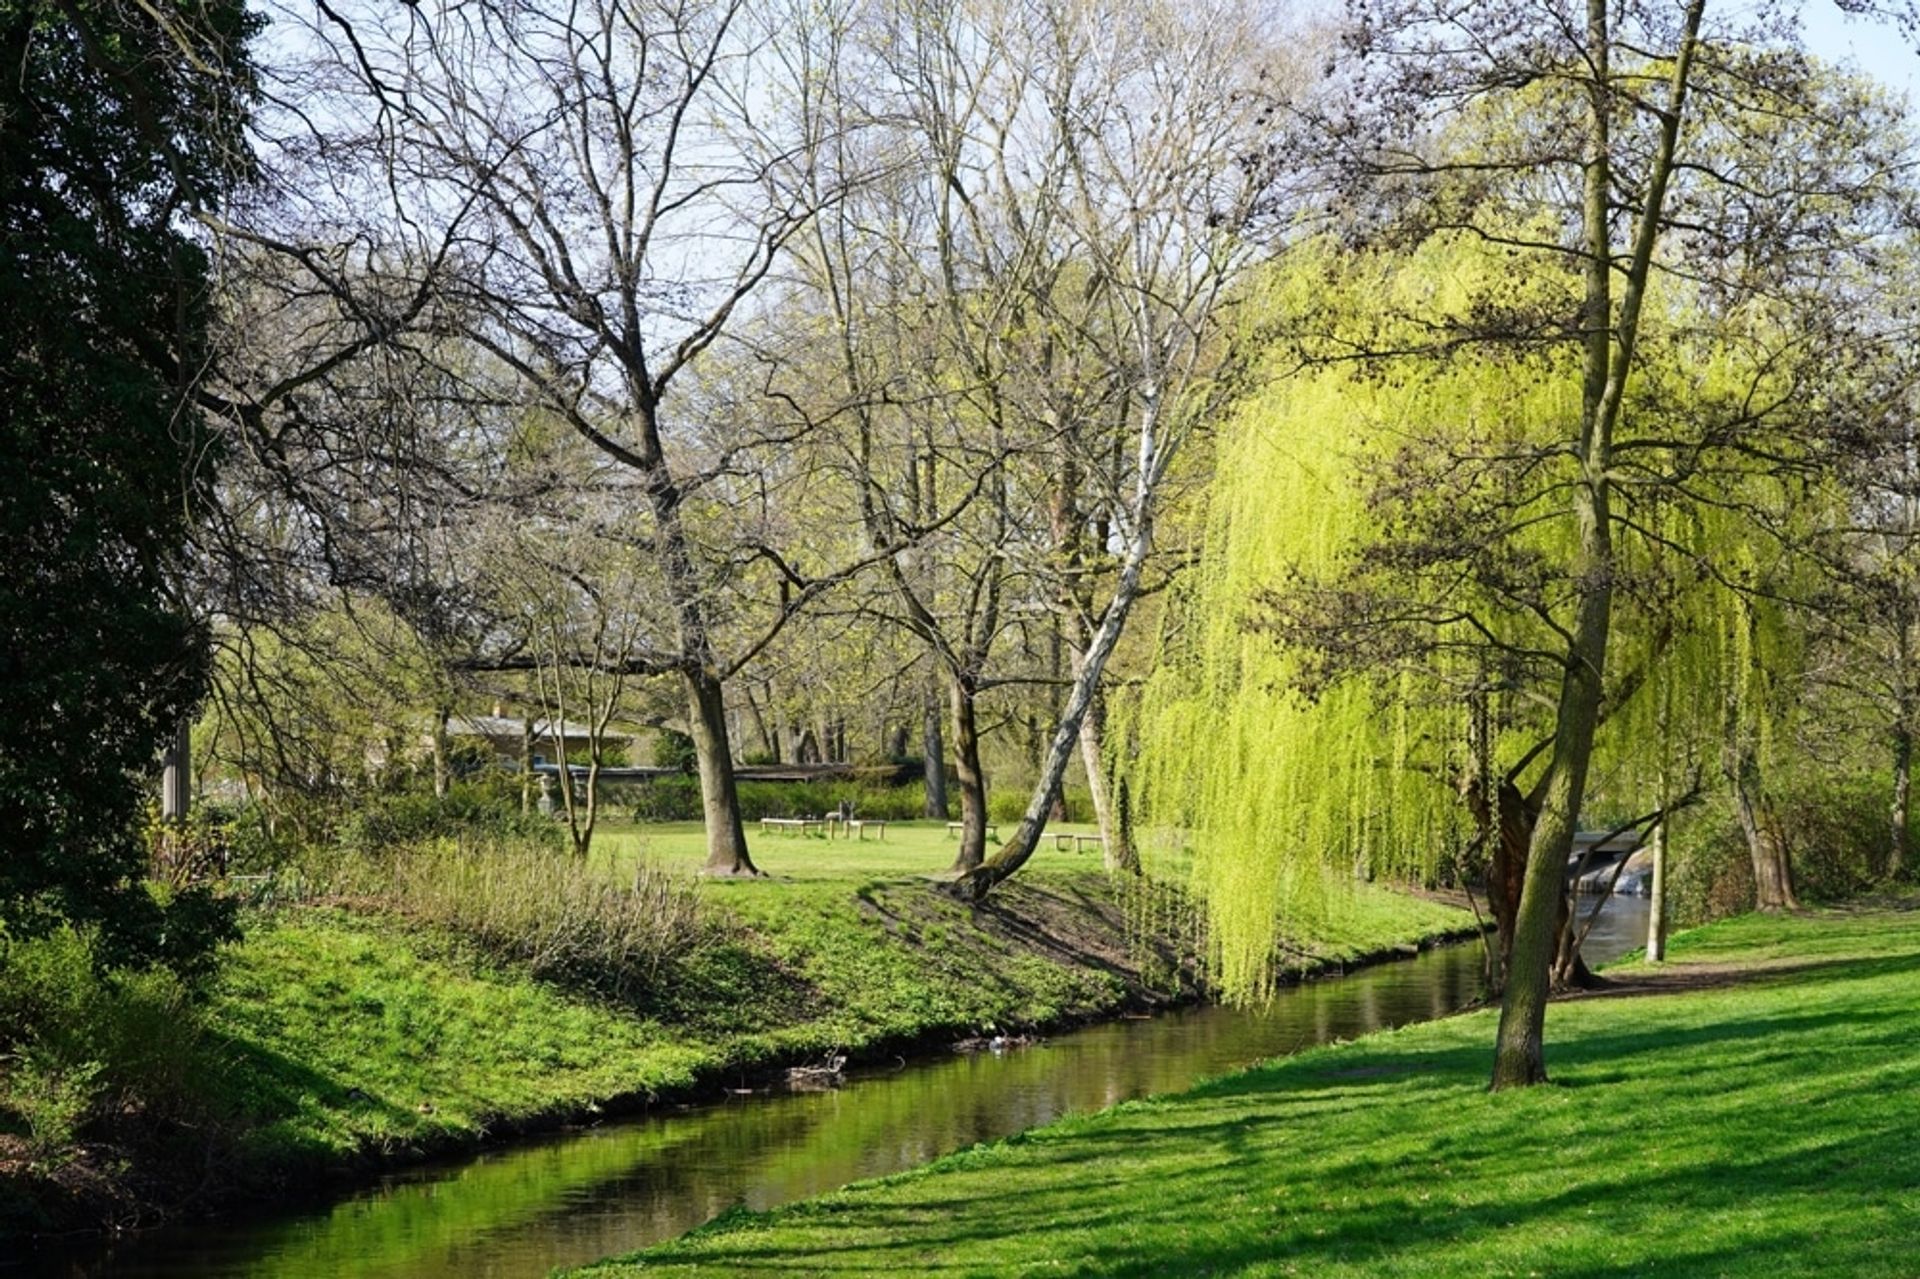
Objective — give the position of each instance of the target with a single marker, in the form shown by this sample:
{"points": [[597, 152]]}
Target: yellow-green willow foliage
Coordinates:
{"points": [[1279, 797], [1282, 800]]}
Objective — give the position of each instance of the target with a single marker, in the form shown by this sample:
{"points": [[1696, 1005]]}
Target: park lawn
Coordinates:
{"points": [[904, 849], [1751, 1112], [349, 1035]]}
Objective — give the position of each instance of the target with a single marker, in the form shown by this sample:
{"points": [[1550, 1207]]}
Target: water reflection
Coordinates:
{"points": [[573, 1198]]}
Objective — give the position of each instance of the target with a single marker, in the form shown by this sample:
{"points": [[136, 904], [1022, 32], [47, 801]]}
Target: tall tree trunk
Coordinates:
{"points": [[719, 797], [760, 726], [1520, 1052], [973, 781], [1038, 745], [933, 756], [1116, 840], [706, 703], [1657, 897]]}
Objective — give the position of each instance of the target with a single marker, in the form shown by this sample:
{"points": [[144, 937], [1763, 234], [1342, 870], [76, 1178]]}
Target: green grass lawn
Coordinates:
{"points": [[1750, 1111], [905, 849]]}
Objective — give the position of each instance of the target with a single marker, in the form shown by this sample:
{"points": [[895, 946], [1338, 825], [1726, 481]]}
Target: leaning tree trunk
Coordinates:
{"points": [[976, 884], [972, 779], [1520, 1053], [1570, 971], [933, 758]]}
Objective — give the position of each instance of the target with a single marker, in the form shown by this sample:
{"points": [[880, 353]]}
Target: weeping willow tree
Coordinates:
{"points": [[1317, 708], [1620, 163], [1360, 677]]}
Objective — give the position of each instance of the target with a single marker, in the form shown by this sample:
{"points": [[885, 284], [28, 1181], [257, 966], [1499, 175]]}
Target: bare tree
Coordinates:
{"points": [[589, 199]]}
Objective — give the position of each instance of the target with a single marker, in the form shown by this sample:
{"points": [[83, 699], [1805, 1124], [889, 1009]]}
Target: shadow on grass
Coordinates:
{"points": [[1204, 1225], [1683, 979]]}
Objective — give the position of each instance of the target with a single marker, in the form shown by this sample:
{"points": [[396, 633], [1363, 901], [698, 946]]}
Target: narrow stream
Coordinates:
{"points": [[575, 1197]]}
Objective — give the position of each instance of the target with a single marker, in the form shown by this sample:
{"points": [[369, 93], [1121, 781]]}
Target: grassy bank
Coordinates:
{"points": [[341, 1037], [1748, 1110]]}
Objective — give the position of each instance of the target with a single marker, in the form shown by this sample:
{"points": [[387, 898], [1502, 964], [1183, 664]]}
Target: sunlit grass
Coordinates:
{"points": [[352, 1031], [904, 849], [1757, 1128]]}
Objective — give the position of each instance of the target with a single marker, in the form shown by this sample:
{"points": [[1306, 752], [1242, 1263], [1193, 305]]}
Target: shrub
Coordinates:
{"points": [[675, 750], [1008, 805], [469, 809], [1837, 831], [677, 799], [567, 921], [663, 799], [86, 1051]]}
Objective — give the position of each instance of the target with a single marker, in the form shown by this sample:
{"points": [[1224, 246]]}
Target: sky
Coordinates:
{"points": [[1874, 46]]}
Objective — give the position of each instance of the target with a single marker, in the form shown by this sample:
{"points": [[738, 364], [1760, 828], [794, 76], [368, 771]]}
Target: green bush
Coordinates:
{"points": [[676, 751], [1008, 805], [1709, 874], [1837, 831], [469, 809], [93, 1053], [662, 799]]}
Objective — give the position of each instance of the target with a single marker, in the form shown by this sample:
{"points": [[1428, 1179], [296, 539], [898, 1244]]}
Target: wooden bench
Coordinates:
{"points": [[793, 825], [857, 828], [1078, 843], [953, 829]]}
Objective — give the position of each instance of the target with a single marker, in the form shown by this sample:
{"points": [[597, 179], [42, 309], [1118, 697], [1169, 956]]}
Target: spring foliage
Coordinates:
{"points": [[1385, 547]]}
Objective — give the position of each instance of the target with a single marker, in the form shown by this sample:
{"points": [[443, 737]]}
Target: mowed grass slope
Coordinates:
{"points": [[348, 1034], [1751, 1111]]}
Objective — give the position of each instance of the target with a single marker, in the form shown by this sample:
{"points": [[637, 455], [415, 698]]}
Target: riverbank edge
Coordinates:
{"points": [[105, 1202]]}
